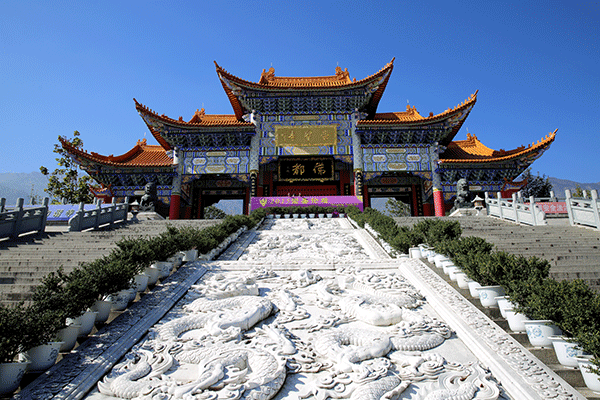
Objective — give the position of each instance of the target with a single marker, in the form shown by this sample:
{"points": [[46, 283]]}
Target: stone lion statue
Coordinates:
{"points": [[463, 196], [150, 198]]}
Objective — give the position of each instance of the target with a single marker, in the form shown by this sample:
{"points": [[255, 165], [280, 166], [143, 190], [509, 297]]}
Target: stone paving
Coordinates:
{"points": [[302, 309]]}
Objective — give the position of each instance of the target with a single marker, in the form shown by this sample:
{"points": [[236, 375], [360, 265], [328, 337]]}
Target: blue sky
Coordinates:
{"points": [[68, 66]]}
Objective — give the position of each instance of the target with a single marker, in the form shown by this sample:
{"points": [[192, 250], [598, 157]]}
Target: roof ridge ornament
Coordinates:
{"points": [[267, 76], [342, 75]]}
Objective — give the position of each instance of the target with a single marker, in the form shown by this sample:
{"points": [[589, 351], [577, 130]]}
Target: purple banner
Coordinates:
{"points": [[305, 201]]}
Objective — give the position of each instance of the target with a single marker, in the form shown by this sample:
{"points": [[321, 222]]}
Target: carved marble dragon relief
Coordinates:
{"points": [[281, 330]]}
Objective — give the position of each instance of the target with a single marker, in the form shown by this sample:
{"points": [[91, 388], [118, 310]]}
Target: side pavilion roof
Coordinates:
{"points": [[473, 151], [141, 155], [164, 128]]}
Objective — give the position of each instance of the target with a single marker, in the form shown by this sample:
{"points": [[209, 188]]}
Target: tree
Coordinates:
{"points": [[537, 186], [65, 186], [578, 191], [396, 208], [212, 212]]}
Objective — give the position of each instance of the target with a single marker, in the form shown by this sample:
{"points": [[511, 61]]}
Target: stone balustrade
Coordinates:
{"points": [[583, 210], [511, 209], [92, 219], [19, 219]]}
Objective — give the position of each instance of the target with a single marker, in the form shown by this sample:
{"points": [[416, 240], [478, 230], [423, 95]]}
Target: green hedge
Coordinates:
{"points": [[572, 305], [62, 295]]}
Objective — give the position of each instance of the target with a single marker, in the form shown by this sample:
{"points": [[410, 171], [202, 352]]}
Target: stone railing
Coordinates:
{"points": [[17, 220], [511, 209], [583, 211], [99, 216]]}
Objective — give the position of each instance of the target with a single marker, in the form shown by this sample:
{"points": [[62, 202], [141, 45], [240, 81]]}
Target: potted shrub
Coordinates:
{"points": [[14, 338]]}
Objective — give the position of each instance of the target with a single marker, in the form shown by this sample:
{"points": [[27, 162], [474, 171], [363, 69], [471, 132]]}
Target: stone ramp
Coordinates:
{"points": [[27, 259], [473, 344], [573, 252]]}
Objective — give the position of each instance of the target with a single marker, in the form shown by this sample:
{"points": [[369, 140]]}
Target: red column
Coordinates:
{"points": [[438, 202], [174, 208], [176, 188], [436, 181], [247, 202], [415, 211]]}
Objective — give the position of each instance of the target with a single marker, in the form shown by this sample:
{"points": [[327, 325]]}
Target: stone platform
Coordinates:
{"points": [[302, 309]]}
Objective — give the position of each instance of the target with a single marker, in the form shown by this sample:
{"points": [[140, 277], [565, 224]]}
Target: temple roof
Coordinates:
{"points": [[199, 120], [268, 80], [141, 155], [234, 86], [473, 151], [411, 115]]}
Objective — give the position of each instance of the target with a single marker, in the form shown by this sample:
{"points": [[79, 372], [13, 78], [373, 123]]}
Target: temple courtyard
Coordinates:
{"points": [[302, 309]]}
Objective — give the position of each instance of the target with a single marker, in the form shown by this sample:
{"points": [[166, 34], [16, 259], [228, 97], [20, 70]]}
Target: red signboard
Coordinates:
{"points": [[554, 207]]}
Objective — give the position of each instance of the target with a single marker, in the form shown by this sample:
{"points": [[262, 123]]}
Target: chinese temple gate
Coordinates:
{"points": [[307, 136]]}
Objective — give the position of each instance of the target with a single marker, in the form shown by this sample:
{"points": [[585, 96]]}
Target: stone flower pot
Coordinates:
{"points": [[462, 280], [539, 332], [68, 336], [102, 308], [592, 381], [153, 275], [516, 321], [414, 252], [86, 320], [446, 264], [488, 294], [503, 304], [438, 259], [566, 351], [452, 272], [119, 300], [190, 255], [41, 357], [141, 282], [11, 375], [473, 289], [164, 268]]}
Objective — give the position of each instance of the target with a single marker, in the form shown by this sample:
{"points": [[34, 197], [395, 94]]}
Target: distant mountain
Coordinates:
{"points": [[20, 184], [559, 186]]}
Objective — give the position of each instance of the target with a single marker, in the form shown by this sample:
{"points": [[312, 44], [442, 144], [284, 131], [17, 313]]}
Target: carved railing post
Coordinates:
{"points": [[594, 206], [568, 203], [113, 212], [18, 218], [532, 210], [126, 208], [76, 220], [44, 216], [515, 208], [499, 199]]}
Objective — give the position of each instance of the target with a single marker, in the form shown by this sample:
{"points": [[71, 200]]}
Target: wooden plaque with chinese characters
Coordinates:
{"points": [[302, 169], [305, 135]]}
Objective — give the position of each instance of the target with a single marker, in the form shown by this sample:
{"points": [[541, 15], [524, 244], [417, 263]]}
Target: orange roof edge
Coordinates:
{"points": [[141, 154], [472, 150]]}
